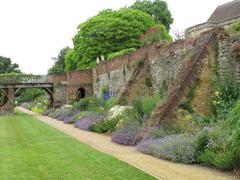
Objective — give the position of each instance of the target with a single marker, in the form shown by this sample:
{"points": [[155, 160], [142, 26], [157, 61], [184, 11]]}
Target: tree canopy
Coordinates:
{"points": [[6, 66], [59, 64], [158, 9], [109, 31]]}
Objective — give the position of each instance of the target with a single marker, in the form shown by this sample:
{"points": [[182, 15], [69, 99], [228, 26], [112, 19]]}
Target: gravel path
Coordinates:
{"points": [[156, 167]]}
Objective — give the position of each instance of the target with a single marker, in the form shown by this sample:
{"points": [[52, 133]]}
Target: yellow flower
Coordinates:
{"points": [[214, 102], [188, 117], [180, 110], [217, 93]]}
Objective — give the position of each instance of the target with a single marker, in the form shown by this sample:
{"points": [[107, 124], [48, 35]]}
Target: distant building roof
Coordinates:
{"points": [[226, 12]]}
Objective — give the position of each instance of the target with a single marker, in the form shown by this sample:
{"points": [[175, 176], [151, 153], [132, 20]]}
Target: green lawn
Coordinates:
{"points": [[30, 149]]}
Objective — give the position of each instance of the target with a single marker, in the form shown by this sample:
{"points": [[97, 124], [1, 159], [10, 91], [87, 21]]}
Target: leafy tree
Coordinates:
{"points": [[109, 31], [59, 65], [6, 66], [71, 59], [158, 9]]}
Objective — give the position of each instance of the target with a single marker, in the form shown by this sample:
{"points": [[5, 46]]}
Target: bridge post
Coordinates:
{"points": [[8, 107]]}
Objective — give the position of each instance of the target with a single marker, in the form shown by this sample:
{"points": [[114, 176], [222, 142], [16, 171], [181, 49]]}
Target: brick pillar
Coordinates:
{"points": [[59, 94]]}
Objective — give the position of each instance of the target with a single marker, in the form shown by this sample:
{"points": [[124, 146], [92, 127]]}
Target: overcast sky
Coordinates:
{"points": [[33, 31]]}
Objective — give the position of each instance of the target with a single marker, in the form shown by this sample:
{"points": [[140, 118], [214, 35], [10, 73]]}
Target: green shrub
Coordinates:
{"points": [[89, 104], [40, 108], [105, 126], [186, 105], [121, 53], [187, 125], [202, 119], [226, 95], [110, 102], [115, 118], [215, 149], [40, 104], [221, 160], [222, 149]]}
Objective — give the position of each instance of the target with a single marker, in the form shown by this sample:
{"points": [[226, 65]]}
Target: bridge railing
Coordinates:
{"points": [[24, 79]]}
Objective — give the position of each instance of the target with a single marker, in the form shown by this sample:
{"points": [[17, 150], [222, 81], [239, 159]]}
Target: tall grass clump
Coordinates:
{"points": [[227, 92], [109, 103], [145, 105], [222, 149], [234, 120]]}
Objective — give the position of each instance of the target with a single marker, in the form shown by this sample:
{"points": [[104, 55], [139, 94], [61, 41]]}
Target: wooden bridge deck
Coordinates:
{"points": [[26, 81]]}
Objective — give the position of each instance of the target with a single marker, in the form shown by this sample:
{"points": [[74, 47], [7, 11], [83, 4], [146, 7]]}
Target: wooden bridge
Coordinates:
{"points": [[11, 84], [24, 81]]}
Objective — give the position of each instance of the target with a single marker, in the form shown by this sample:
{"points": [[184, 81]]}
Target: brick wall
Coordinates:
{"points": [[66, 85], [76, 80]]}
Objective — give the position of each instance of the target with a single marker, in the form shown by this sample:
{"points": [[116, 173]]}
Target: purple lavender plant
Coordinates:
{"points": [[47, 112], [70, 117], [55, 114], [128, 134], [177, 148], [64, 112], [88, 120]]}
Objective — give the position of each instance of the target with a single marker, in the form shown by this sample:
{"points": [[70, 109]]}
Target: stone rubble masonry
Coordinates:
{"points": [[224, 59], [229, 61], [167, 64], [235, 56]]}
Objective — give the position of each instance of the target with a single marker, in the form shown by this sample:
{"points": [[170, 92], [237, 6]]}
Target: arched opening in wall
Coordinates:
{"points": [[49, 93], [81, 93], [41, 96]]}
